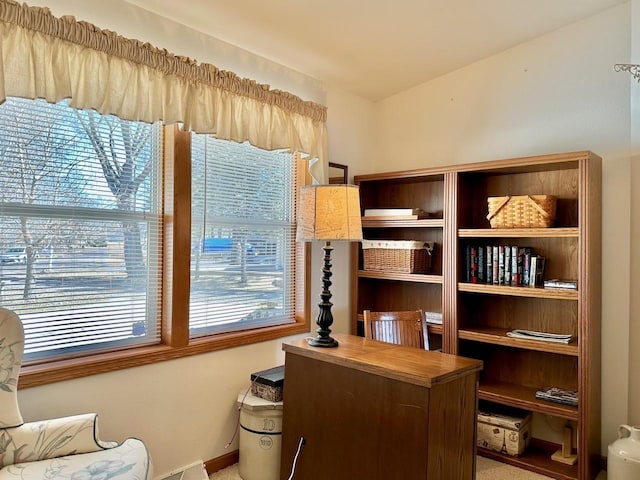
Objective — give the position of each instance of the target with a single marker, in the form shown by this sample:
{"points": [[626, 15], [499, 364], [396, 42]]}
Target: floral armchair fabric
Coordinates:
{"points": [[62, 448]]}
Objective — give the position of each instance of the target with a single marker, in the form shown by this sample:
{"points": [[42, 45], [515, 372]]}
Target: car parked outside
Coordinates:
{"points": [[14, 255]]}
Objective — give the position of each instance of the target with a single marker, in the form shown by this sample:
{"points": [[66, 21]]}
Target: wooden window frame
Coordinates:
{"points": [[175, 342]]}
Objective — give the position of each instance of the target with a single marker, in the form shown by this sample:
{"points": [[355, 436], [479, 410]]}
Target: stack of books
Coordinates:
{"points": [[395, 213], [558, 395]]}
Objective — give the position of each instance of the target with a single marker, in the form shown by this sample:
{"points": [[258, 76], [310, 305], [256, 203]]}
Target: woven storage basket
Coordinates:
{"points": [[273, 394], [523, 211], [403, 256]]}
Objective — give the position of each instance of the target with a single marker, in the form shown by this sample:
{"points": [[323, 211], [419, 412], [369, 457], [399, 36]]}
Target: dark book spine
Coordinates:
{"points": [[522, 251], [467, 264], [481, 264], [539, 280], [515, 276], [474, 264], [489, 267], [500, 264], [507, 264], [526, 267]]}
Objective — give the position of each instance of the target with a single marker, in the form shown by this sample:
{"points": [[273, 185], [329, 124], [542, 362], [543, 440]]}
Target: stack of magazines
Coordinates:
{"points": [[433, 317], [546, 337], [558, 395]]}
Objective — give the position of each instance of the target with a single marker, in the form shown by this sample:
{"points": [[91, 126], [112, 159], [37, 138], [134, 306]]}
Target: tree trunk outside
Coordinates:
{"points": [[29, 277], [133, 257]]}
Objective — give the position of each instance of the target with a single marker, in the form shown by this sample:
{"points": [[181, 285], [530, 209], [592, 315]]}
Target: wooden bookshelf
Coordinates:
{"points": [[477, 316]]}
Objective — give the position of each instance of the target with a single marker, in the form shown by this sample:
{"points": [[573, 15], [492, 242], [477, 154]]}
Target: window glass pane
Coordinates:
{"points": [[80, 236], [242, 237]]}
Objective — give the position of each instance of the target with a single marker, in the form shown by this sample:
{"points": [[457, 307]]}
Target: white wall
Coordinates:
{"points": [[555, 93], [634, 307], [185, 409]]}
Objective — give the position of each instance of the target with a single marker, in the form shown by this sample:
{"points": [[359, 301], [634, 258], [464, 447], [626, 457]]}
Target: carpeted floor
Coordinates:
{"points": [[486, 469]]}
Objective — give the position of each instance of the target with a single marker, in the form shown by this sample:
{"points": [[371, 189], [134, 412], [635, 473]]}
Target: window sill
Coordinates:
{"points": [[46, 373]]}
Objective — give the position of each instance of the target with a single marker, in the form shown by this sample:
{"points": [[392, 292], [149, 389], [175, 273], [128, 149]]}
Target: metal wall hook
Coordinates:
{"points": [[633, 69]]}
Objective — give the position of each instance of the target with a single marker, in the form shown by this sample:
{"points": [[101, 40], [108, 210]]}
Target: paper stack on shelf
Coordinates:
{"points": [[558, 395], [395, 213], [562, 284], [433, 317], [545, 337]]}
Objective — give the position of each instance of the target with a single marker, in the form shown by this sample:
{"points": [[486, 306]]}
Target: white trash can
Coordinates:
{"points": [[260, 438]]}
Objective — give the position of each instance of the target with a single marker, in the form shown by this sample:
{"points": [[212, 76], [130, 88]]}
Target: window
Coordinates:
{"points": [[79, 243], [103, 268], [242, 236]]}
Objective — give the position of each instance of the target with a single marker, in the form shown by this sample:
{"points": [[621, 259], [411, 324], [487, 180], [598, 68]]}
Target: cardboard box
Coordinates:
{"points": [[504, 431]]}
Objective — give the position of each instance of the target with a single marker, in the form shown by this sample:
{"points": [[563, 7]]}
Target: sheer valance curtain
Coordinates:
{"points": [[55, 58]]}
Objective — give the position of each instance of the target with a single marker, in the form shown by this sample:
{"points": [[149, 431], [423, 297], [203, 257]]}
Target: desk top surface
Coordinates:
{"points": [[407, 364]]}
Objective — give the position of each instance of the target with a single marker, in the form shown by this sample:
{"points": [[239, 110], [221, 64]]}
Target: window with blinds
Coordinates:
{"points": [[242, 237], [81, 228]]}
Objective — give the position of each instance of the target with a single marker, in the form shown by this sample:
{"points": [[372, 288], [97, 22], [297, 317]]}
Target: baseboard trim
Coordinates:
{"points": [[231, 458], [221, 462]]}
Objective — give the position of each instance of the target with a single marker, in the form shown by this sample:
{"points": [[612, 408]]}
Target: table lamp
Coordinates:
{"points": [[328, 213]]}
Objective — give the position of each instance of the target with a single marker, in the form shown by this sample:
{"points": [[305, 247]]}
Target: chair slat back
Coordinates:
{"points": [[403, 328]]}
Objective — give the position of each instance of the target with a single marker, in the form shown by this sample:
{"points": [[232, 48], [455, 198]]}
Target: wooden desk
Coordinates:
{"points": [[372, 410]]}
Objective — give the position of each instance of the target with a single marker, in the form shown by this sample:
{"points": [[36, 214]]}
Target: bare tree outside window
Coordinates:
{"points": [[38, 168], [123, 175], [80, 217]]}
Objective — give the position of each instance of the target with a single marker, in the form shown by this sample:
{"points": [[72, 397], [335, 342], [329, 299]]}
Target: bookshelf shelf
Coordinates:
{"points": [[498, 336], [537, 458], [569, 232], [477, 316], [518, 396], [534, 292], [435, 329], [403, 277], [425, 223]]}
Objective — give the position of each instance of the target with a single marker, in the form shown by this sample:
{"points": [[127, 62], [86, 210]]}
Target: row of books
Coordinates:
{"points": [[503, 265]]}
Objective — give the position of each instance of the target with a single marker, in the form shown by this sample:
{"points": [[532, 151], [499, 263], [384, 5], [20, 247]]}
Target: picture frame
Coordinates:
{"points": [[338, 174]]}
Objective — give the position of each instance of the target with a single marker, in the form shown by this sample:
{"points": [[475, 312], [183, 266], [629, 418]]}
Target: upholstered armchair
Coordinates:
{"points": [[63, 448]]}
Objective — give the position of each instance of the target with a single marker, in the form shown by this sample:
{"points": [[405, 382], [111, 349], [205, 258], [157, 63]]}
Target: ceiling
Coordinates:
{"points": [[375, 48]]}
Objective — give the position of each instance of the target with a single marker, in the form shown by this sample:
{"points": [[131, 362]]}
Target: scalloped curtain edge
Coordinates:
{"points": [[54, 58]]}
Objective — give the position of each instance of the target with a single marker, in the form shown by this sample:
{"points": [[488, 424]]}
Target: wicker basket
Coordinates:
{"points": [[402, 256], [273, 394], [524, 211]]}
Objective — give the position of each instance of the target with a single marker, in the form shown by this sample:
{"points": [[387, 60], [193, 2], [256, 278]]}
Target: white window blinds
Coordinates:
{"points": [[81, 228], [242, 236]]}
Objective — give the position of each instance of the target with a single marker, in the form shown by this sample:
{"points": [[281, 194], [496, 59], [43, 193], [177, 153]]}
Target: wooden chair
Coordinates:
{"points": [[403, 328]]}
